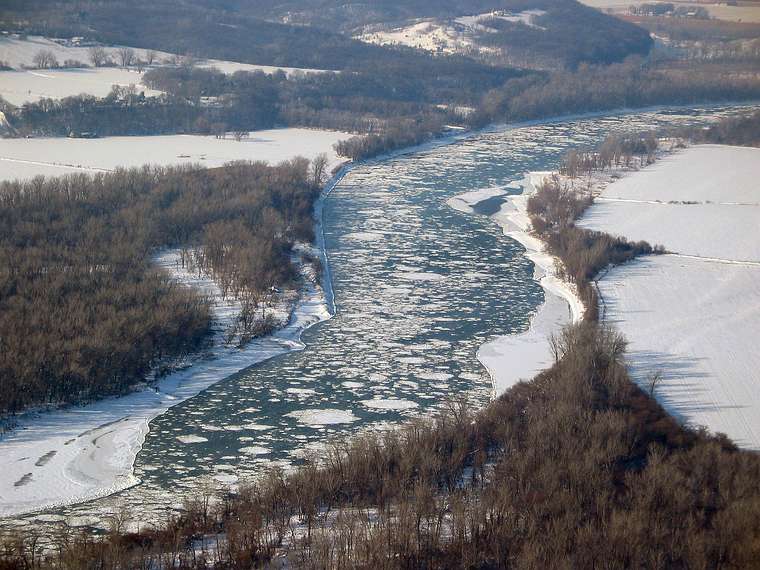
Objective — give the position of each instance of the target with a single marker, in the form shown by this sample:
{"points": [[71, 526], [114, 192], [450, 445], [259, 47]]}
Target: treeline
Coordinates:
{"points": [[639, 149], [601, 88], [124, 111], [398, 134], [636, 149], [208, 101], [83, 311], [740, 131], [396, 107]]}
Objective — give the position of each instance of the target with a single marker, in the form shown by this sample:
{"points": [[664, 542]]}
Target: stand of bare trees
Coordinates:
{"points": [[578, 468], [45, 59], [98, 56], [82, 311]]}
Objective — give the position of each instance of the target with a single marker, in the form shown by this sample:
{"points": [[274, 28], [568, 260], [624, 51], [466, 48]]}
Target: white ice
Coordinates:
{"points": [[389, 404], [320, 417]]}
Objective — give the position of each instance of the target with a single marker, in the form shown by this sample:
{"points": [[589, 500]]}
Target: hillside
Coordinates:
{"points": [[320, 33]]}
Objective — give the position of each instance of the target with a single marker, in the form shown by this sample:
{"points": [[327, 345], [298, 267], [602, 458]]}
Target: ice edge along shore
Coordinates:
{"points": [[512, 358]]}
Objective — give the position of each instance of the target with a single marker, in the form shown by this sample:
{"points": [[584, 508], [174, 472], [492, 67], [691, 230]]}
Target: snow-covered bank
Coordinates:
{"points": [[82, 453], [77, 454], [691, 317], [510, 359], [26, 158]]}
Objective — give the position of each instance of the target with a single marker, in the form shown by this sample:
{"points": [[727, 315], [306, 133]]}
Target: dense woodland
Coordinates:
{"points": [[83, 311], [397, 97], [210, 102]]}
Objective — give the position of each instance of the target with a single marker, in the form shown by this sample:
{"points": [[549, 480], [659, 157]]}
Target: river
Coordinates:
{"points": [[418, 288]]}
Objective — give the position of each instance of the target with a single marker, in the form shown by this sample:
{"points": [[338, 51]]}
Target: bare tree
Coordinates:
{"points": [[319, 169], [98, 56], [150, 57], [240, 135], [653, 380], [126, 56], [45, 59]]}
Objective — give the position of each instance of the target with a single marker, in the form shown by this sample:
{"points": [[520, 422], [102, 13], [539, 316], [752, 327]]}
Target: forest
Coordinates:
{"points": [[633, 83], [388, 109], [84, 313]]}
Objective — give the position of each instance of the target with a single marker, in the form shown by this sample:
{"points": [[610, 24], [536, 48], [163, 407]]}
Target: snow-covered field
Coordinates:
{"points": [[692, 317], [703, 201], [29, 85], [25, 158], [510, 359], [454, 36], [428, 35], [19, 87]]}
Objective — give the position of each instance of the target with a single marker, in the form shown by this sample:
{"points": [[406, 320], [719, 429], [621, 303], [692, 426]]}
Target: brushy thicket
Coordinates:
{"points": [[83, 311], [741, 131]]}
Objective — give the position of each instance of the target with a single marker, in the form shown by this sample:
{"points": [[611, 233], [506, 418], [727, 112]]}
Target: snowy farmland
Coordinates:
{"points": [[704, 201], [691, 316], [26, 158], [447, 37], [28, 86], [24, 84]]}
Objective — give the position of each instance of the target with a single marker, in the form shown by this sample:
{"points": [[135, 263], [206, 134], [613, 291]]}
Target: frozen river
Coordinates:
{"points": [[419, 287]]}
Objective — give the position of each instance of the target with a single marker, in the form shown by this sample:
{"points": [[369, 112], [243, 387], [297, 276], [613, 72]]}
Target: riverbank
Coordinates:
{"points": [[78, 454], [555, 311], [512, 358]]}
